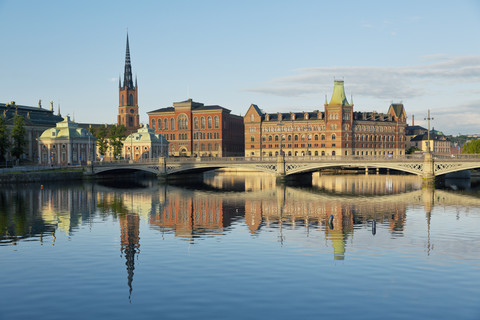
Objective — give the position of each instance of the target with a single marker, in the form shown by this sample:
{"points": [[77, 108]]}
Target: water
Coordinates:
{"points": [[238, 246]]}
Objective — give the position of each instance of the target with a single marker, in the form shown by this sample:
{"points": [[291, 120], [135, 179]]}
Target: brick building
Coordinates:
{"points": [[337, 131], [194, 129]]}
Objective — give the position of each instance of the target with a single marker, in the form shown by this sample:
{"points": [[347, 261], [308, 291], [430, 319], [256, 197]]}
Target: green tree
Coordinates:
{"points": [[101, 134], [18, 136], [4, 139], [117, 135], [471, 147], [412, 149]]}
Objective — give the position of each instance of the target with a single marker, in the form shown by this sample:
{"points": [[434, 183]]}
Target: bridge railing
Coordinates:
{"points": [[291, 159]]}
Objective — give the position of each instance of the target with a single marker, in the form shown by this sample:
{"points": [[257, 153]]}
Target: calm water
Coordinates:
{"points": [[240, 247]]}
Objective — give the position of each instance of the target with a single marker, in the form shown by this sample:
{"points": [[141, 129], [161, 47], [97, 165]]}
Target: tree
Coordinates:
{"points": [[412, 149], [18, 136], [117, 135], [101, 134], [4, 139], [471, 147]]}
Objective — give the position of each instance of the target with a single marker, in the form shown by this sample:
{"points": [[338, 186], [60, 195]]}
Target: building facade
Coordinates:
{"points": [[37, 120], [66, 144], [193, 129], [144, 144], [337, 131], [438, 144], [128, 98]]}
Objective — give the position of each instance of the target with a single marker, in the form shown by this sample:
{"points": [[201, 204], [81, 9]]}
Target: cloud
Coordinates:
{"points": [[377, 81]]}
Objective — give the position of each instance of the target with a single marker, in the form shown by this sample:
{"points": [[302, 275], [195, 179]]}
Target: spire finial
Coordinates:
{"points": [[351, 99], [59, 114]]}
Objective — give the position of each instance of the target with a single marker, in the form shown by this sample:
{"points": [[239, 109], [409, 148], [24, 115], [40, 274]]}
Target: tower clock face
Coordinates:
{"points": [[132, 111]]}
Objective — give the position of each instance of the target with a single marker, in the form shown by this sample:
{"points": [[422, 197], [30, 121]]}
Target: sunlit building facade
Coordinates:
{"points": [[336, 131]]}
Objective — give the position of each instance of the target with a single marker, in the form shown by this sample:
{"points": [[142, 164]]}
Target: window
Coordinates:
{"points": [[202, 123], [153, 124], [323, 137], [182, 122], [165, 124], [334, 137], [130, 100], [195, 123], [209, 122], [252, 139], [172, 124], [217, 122]]}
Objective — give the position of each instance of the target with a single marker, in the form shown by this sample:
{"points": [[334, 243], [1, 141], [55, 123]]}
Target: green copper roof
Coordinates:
{"points": [[66, 129], [338, 96]]}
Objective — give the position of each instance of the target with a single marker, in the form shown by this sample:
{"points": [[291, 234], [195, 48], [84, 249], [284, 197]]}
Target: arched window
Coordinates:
{"points": [[316, 137], [130, 100], [182, 122], [153, 124], [202, 123], [172, 124], [333, 153], [334, 136], [323, 137], [276, 138], [295, 138], [289, 138], [165, 124], [217, 122], [209, 122], [252, 117], [123, 100], [195, 123], [269, 138]]}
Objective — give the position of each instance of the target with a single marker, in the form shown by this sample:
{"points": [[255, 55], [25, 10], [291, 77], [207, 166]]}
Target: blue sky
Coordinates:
{"points": [[280, 55]]}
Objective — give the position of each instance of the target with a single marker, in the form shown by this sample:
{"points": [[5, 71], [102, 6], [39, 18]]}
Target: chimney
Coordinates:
{"points": [[413, 120]]}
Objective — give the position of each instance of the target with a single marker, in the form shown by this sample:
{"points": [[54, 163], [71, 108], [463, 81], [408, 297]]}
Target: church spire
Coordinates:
{"points": [[127, 77]]}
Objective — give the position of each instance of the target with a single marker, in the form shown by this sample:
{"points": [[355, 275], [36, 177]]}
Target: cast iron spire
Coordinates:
{"points": [[127, 77]]}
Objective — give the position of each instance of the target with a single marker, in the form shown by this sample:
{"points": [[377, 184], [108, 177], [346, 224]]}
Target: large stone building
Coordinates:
{"points": [[336, 131], [128, 98], [66, 144], [193, 129], [37, 120]]}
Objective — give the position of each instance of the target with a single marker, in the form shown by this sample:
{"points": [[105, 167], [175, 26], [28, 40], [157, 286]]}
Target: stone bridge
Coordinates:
{"points": [[428, 166]]}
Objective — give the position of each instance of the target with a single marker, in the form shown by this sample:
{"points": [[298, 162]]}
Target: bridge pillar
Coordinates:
{"points": [[366, 171], [162, 165], [281, 167], [428, 169]]}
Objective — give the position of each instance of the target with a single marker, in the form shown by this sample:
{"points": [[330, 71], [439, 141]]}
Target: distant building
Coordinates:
{"points": [[37, 120], [128, 98], [439, 144], [66, 144], [144, 144], [193, 129], [410, 133], [337, 131]]}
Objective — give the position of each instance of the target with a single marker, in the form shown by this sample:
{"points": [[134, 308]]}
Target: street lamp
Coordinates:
{"points": [[280, 124], [428, 133]]}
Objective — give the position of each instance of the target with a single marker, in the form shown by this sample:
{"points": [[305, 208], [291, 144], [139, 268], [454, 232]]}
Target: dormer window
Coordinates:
{"points": [[53, 133]]}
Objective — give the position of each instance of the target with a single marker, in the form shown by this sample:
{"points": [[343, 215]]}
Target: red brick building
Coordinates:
{"points": [[336, 131], [193, 129]]}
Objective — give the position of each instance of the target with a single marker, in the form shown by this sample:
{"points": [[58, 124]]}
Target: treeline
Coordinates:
{"points": [[112, 136], [12, 142]]}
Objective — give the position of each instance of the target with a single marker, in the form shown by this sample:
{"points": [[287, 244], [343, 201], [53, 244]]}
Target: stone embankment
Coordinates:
{"points": [[20, 175]]}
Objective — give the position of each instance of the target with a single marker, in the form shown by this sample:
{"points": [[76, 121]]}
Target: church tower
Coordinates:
{"points": [[128, 98]]}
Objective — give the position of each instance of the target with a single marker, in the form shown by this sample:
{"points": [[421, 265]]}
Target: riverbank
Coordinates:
{"points": [[21, 176]]}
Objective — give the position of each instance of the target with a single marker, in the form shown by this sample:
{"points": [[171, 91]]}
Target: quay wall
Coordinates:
{"points": [[18, 177]]}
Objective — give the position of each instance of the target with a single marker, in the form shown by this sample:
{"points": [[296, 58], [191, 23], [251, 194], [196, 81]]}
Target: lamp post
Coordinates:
{"points": [[280, 124], [428, 118]]}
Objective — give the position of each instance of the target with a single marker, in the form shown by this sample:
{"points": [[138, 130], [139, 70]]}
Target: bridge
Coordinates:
{"points": [[427, 166]]}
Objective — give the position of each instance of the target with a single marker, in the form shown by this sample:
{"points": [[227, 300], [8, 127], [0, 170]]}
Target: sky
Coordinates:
{"points": [[280, 55]]}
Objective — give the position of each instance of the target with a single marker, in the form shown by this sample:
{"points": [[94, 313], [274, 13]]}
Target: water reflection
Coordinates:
{"points": [[334, 207]]}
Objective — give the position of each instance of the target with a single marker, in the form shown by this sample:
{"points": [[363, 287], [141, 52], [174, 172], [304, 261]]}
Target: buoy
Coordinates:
{"points": [[374, 227], [41, 186]]}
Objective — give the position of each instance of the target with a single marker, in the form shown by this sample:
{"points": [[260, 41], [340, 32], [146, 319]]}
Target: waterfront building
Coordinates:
{"points": [[194, 129], [128, 98], [336, 131], [144, 144], [37, 120], [66, 144]]}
